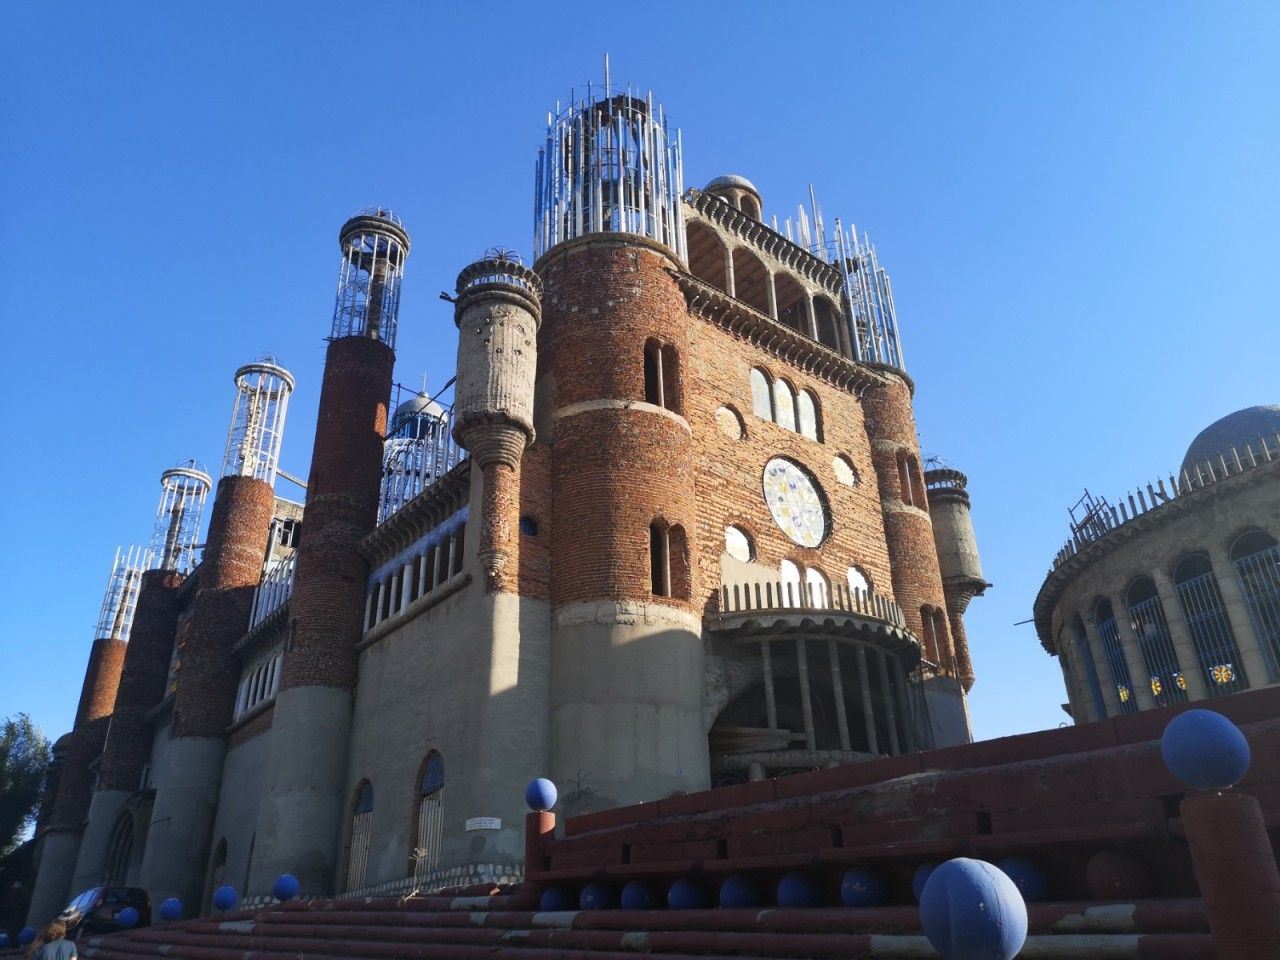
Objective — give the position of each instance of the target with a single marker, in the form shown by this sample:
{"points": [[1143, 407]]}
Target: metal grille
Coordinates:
{"points": [[1114, 651], [1090, 671], [1259, 576], [374, 248], [177, 525], [257, 421], [430, 819], [1168, 685], [1211, 633], [115, 619], [361, 827]]}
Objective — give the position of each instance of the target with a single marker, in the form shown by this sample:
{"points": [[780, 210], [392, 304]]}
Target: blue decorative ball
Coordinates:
{"points": [[1031, 881], [799, 890], [225, 897], [127, 918], [286, 887], [740, 893], [597, 896], [971, 910], [540, 794], [921, 877], [860, 887], [26, 935], [1204, 749], [171, 909], [688, 894], [4, 939], [557, 898], [640, 895]]}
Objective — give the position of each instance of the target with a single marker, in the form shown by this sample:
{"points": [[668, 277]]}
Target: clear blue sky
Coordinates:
{"points": [[1077, 203]]}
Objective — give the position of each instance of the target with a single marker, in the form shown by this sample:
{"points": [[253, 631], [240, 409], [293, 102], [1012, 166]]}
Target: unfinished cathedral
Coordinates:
{"points": [[669, 531]]}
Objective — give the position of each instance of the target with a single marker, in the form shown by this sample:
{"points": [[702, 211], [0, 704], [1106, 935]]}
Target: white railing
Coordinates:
{"points": [[792, 595], [274, 590]]}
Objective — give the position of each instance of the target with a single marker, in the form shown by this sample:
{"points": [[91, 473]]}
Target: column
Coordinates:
{"points": [[904, 706], [1110, 699], [771, 295], [770, 702], [837, 686], [406, 585], [1238, 616], [864, 687], [806, 705], [882, 668], [810, 318], [1138, 671], [730, 283], [1183, 645]]}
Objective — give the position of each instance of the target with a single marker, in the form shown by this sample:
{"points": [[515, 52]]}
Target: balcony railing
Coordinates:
{"points": [[779, 596]]}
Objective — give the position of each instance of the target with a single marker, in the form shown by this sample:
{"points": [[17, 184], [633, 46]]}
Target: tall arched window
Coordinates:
{"points": [[828, 320], [858, 580], [662, 375], [807, 415], [1256, 558], [361, 827], [737, 543], [707, 255], [784, 404], [1164, 673], [659, 560], [818, 590], [1085, 649], [750, 280], [1211, 634], [429, 838], [909, 480], [761, 395], [791, 581], [1104, 621]]}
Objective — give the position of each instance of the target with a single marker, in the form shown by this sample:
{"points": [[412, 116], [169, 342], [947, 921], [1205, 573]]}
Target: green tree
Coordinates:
{"points": [[24, 760]]}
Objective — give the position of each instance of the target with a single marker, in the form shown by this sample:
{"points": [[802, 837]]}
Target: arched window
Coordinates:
{"points": [[750, 280], [361, 827], [807, 415], [789, 595], [909, 480], [1256, 559], [737, 543], [845, 471], [429, 837], [828, 320], [750, 207], [1085, 649], [1211, 634], [659, 560], [678, 559], [1164, 673], [653, 373], [707, 255], [858, 580], [817, 588], [1104, 621], [761, 395], [792, 303], [784, 404]]}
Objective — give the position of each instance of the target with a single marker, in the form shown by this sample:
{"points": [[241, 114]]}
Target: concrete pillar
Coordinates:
{"points": [[730, 282], [1180, 635], [810, 316], [1133, 655], [868, 708], [771, 293], [1110, 696], [891, 719], [806, 703], [1247, 642], [770, 698], [837, 686]]}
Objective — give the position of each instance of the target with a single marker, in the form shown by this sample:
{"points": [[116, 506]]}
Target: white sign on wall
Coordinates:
{"points": [[484, 823]]}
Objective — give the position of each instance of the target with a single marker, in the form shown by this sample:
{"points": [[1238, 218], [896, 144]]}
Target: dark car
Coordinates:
{"points": [[95, 910]]}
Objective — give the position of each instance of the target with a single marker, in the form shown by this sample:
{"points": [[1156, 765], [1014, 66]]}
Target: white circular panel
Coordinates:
{"points": [[795, 502]]}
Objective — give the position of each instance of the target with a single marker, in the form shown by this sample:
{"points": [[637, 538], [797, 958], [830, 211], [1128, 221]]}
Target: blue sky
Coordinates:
{"points": [[1076, 203]]}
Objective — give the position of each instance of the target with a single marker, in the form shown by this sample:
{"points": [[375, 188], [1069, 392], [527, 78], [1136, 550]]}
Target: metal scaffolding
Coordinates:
{"points": [[257, 421], [610, 165], [184, 489], [121, 596], [374, 247], [418, 451]]}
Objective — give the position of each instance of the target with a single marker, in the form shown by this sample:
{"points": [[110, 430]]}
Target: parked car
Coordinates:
{"points": [[95, 910]]}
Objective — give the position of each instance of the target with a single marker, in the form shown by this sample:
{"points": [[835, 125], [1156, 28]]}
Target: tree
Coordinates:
{"points": [[24, 760]]}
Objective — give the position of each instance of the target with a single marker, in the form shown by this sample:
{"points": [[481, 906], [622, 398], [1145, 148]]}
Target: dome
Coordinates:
{"points": [[409, 416], [731, 181], [1237, 429]]}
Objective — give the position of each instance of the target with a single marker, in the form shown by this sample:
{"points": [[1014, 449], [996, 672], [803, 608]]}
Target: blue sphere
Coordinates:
{"points": [[4, 939], [640, 895], [225, 897], [286, 887], [921, 877], [688, 894], [860, 887], [540, 794], [1031, 881], [1204, 749], [597, 896], [799, 890], [127, 918], [971, 910], [557, 898], [740, 893], [26, 935], [171, 909]]}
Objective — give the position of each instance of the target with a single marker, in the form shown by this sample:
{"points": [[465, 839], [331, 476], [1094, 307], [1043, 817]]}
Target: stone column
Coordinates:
{"points": [[890, 714], [837, 686], [730, 282], [770, 699], [868, 711], [806, 704], [1110, 696], [771, 295], [1238, 615], [1180, 635]]}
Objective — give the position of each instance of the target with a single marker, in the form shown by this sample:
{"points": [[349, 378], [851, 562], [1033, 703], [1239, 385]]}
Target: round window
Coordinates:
{"points": [[796, 502]]}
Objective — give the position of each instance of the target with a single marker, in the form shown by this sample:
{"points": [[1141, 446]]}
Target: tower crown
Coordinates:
{"points": [[184, 489], [374, 247], [257, 421], [121, 596]]}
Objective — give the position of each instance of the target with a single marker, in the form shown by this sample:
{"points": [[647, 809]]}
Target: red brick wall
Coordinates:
{"points": [[534, 561], [97, 698], [229, 571], [146, 667], [327, 606]]}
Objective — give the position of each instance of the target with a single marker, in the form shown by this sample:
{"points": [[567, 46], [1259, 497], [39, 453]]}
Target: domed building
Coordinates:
{"points": [[1173, 593]]}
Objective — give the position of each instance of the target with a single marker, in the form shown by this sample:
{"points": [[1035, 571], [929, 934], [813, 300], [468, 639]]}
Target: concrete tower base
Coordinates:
{"points": [[53, 883], [91, 864], [948, 712]]}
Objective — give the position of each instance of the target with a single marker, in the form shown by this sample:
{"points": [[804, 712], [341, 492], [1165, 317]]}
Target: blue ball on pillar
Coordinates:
{"points": [[860, 887], [171, 909], [688, 894], [740, 893], [225, 897], [286, 887], [557, 898], [799, 890], [127, 918], [597, 896], [640, 895], [541, 794], [1031, 881], [26, 935], [4, 940], [921, 877], [971, 910], [1204, 749]]}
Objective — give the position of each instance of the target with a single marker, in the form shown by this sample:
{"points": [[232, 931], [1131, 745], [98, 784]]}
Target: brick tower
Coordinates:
{"points": [[184, 489], [958, 559], [207, 671], [627, 652], [60, 845], [302, 799]]}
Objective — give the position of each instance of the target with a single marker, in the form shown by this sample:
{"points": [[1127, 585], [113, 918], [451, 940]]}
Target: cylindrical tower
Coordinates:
{"points": [[183, 490], [418, 451], [627, 649], [300, 812], [61, 844], [498, 311], [205, 685], [957, 546]]}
